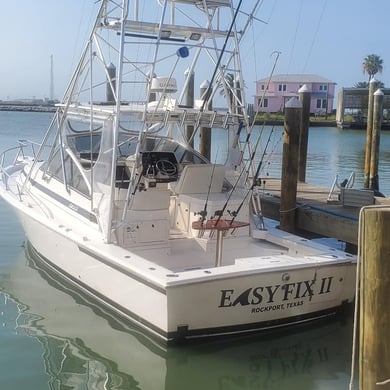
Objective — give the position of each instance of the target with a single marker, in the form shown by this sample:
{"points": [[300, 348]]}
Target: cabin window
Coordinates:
{"points": [[74, 178], [86, 148]]}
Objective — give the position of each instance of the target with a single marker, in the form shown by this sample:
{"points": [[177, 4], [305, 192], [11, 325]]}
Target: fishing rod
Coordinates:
{"points": [[203, 213], [219, 213], [254, 181], [257, 142], [260, 104], [208, 91]]}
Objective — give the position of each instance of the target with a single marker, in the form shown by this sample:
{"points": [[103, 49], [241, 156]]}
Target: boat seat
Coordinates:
{"points": [[196, 179]]}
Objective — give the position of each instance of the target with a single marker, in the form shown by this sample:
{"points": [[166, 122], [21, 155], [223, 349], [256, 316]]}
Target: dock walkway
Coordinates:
{"points": [[314, 214]]}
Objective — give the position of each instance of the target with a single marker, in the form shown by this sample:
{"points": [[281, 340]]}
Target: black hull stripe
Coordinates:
{"points": [[186, 334], [65, 202]]}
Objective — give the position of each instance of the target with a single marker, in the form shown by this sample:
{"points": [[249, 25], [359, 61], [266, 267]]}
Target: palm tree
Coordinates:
{"points": [[361, 84], [372, 65], [365, 84]]}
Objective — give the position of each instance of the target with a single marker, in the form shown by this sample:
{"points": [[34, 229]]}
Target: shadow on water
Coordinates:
{"points": [[82, 347]]}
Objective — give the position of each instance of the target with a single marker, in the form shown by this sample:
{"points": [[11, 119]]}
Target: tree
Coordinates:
{"points": [[372, 65], [361, 84], [365, 84]]}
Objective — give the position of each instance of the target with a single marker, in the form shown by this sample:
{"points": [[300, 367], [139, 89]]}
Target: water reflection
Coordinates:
{"points": [[84, 348]]}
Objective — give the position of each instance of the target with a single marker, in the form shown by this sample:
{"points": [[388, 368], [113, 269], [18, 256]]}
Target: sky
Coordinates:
{"points": [[329, 38]]}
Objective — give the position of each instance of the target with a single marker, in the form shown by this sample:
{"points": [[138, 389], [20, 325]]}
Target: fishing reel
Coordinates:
{"points": [[233, 213], [203, 215]]}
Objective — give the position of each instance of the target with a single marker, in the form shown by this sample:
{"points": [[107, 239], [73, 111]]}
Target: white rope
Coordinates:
{"points": [[383, 383]]}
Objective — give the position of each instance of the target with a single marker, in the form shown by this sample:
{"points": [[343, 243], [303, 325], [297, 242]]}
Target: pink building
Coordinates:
{"points": [[283, 87]]}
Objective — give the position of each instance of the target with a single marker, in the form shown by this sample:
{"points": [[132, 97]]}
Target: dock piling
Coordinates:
{"points": [[374, 342], [288, 195], [205, 132], [373, 86], [304, 98], [189, 101], [375, 139]]}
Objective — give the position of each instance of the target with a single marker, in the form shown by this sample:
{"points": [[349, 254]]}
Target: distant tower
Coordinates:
{"points": [[51, 79]]}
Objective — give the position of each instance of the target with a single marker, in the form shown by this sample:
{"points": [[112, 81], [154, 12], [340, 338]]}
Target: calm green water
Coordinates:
{"points": [[51, 338]]}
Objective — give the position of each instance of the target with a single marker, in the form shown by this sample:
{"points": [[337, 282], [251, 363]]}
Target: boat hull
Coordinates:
{"points": [[232, 302]]}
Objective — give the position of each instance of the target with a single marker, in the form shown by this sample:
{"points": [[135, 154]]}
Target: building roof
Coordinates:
{"points": [[297, 78]]}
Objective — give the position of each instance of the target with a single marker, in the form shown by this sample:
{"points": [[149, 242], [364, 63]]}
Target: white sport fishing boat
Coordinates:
{"points": [[117, 201]]}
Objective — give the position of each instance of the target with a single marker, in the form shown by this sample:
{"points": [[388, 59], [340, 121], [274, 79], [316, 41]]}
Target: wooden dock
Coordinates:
{"points": [[314, 213]]}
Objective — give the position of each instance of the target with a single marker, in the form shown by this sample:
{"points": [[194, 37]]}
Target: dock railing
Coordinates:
{"points": [[336, 188]]}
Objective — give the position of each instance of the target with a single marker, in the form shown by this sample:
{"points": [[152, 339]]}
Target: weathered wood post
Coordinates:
{"points": [[205, 132], [375, 139], [304, 98], [189, 102], [288, 194], [374, 243], [372, 88]]}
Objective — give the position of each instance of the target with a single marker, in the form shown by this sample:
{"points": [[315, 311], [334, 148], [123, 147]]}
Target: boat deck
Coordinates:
{"points": [[185, 254], [277, 249]]}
